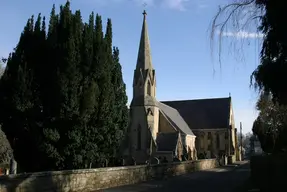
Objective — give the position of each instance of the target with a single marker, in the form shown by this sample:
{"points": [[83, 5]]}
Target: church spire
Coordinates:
{"points": [[144, 53]]}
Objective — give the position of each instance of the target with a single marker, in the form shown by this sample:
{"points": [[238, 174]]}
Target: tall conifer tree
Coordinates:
{"points": [[121, 117], [20, 97], [62, 96]]}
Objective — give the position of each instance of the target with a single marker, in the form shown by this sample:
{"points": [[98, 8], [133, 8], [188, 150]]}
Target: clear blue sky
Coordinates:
{"points": [[180, 46]]}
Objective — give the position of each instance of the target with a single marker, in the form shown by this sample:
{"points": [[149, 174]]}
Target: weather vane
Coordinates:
{"points": [[144, 4]]}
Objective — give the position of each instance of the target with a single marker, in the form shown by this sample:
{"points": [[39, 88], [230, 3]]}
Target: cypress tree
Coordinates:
{"points": [[89, 84], [68, 79], [19, 96], [90, 94], [49, 98], [63, 101], [106, 100], [121, 117], [95, 123], [109, 94], [117, 97]]}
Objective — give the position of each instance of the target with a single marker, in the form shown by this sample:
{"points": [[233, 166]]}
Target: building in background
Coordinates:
{"points": [[175, 130]]}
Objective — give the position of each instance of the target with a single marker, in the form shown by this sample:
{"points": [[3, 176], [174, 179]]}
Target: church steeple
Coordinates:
{"points": [[144, 83], [144, 111], [144, 55]]}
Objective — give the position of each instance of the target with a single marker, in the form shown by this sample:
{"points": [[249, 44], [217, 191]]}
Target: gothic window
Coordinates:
{"points": [[217, 141], [209, 135], [202, 142], [148, 88], [139, 139]]}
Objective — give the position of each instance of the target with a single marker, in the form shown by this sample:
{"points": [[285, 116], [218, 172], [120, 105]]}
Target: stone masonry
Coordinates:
{"points": [[94, 179]]}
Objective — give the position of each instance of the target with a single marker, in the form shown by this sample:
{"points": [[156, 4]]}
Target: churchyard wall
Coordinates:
{"points": [[94, 179]]}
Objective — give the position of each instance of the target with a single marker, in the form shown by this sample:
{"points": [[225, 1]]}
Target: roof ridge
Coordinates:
{"points": [[168, 106], [167, 132], [213, 98]]}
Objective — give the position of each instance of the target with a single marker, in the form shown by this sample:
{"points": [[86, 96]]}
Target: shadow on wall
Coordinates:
{"points": [[164, 170], [195, 182], [44, 182]]}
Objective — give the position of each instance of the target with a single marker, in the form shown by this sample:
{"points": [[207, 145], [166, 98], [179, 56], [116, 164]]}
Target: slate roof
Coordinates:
{"points": [[167, 141], [174, 117], [203, 113]]}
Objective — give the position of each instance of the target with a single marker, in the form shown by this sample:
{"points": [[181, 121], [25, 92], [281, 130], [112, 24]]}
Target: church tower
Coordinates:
{"points": [[144, 112]]}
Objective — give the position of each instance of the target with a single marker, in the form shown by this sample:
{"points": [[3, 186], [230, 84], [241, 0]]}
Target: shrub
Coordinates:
{"points": [[6, 152]]}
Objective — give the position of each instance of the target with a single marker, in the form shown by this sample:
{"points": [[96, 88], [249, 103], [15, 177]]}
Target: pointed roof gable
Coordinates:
{"points": [[144, 54], [175, 119]]}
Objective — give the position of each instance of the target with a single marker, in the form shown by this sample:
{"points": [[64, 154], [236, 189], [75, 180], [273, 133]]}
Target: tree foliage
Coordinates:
{"points": [[271, 124], [63, 98], [245, 139], [270, 75], [6, 152]]}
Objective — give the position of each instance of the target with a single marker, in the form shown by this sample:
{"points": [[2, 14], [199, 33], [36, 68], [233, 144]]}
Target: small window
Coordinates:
{"points": [[217, 141], [209, 135], [201, 142], [148, 88]]}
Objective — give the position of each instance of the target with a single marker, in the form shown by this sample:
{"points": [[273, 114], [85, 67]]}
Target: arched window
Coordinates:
{"points": [[202, 142], [139, 138], [148, 88], [226, 135], [217, 141]]}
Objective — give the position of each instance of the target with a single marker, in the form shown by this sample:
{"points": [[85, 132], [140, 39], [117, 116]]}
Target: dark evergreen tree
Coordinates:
{"points": [[49, 98], [63, 101], [90, 94], [19, 96], [101, 69], [107, 98], [121, 117]]}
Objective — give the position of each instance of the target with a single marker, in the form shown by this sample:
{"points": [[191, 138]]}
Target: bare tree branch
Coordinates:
{"points": [[242, 15]]}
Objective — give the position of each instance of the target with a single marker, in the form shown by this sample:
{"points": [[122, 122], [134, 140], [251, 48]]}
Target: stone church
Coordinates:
{"points": [[175, 130]]}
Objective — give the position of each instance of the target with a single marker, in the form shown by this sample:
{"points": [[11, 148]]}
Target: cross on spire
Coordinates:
{"points": [[144, 56]]}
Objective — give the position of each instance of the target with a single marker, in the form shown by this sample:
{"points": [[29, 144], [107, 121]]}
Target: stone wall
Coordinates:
{"points": [[94, 179]]}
